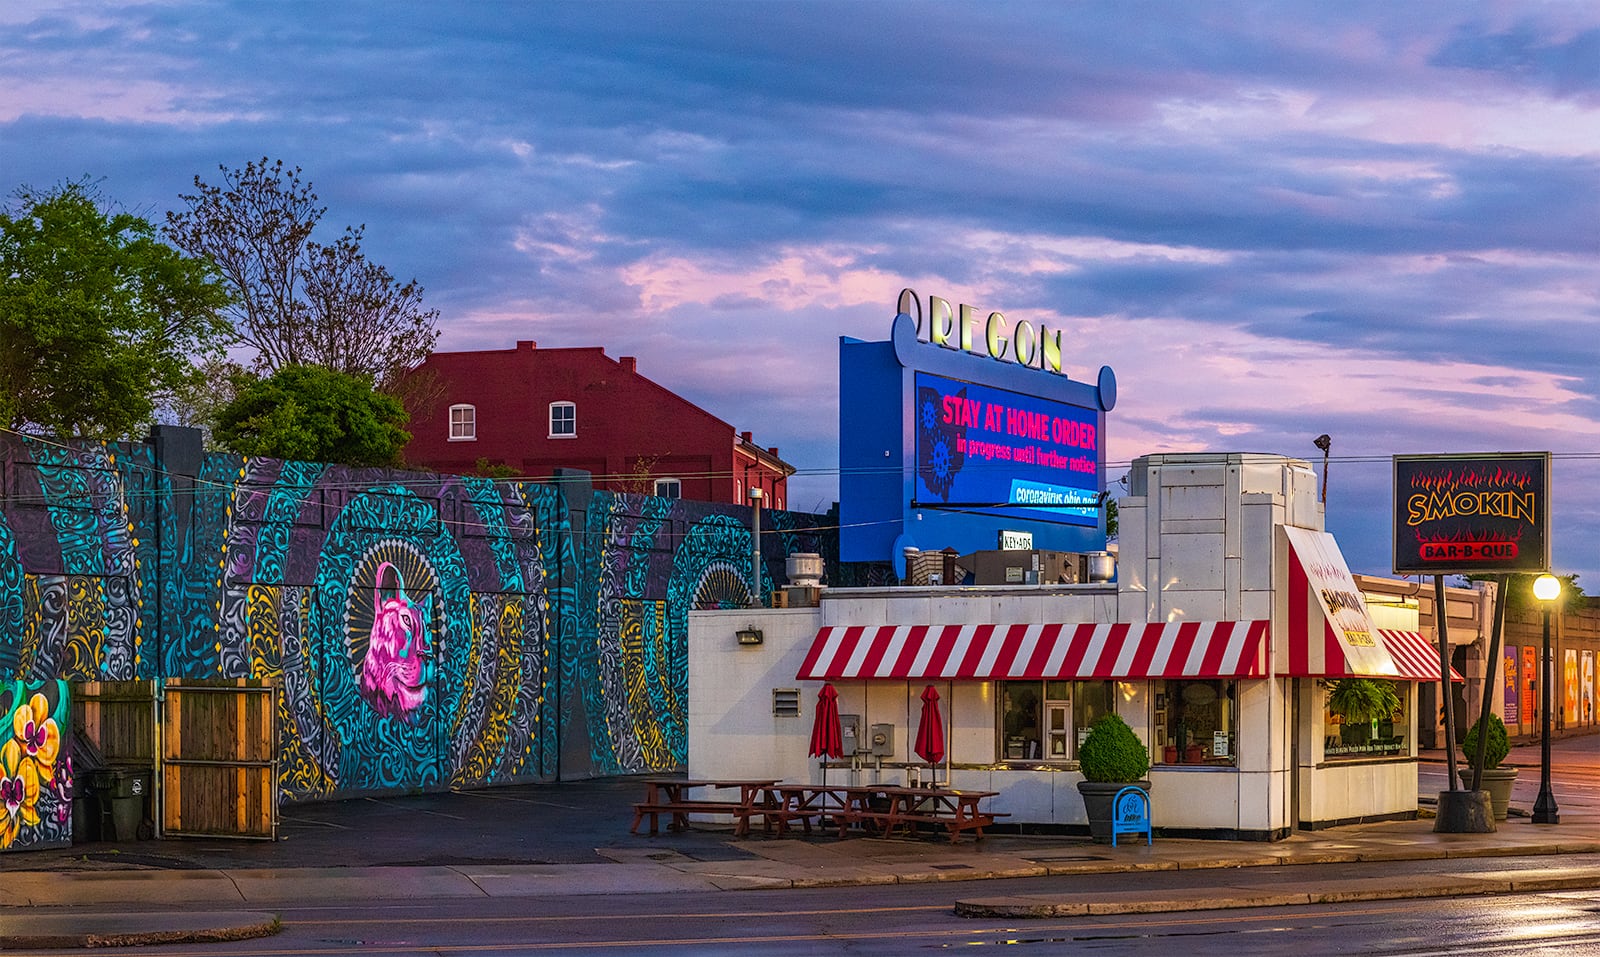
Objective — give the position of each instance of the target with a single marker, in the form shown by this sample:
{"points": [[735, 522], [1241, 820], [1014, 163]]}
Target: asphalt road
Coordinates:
{"points": [[907, 919]]}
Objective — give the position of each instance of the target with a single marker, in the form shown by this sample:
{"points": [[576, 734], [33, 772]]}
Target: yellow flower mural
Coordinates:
{"points": [[35, 774], [19, 792], [39, 736]]}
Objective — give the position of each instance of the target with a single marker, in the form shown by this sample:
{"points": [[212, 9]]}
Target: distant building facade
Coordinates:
{"points": [[535, 410]]}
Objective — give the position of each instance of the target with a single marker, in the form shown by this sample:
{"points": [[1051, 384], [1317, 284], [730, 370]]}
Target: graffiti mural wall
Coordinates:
{"points": [[421, 631]]}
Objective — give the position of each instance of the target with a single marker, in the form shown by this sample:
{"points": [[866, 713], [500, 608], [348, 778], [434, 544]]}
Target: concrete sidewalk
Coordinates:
{"points": [[571, 839]]}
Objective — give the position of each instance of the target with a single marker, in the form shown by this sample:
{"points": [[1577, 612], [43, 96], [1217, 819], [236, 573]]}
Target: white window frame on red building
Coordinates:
{"points": [[569, 422], [463, 428]]}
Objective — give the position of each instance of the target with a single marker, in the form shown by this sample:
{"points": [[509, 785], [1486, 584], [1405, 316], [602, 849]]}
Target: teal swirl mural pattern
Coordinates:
{"points": [[550, 637]]}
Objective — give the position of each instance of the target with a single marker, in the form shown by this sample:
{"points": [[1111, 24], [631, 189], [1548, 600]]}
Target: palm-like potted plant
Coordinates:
{"points": [[1496, 779], [1111, 758], [1361, 703]]}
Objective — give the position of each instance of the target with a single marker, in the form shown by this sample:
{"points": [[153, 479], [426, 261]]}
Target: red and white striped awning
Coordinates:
{"points": [[1318, 646], [1415, 655], [1182, 649]]}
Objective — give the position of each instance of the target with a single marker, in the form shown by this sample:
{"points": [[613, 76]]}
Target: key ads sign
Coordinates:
{"points": [[1458, 514]]}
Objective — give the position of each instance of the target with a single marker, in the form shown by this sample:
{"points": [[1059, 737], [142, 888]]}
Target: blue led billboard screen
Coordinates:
{"points": [[991, 450]]}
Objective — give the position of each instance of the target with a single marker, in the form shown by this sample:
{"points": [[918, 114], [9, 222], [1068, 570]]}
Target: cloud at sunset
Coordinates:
{"points": [[1374, 221]]}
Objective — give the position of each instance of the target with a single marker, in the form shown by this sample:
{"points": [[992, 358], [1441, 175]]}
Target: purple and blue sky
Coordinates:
{"points": [[1375, 220]]}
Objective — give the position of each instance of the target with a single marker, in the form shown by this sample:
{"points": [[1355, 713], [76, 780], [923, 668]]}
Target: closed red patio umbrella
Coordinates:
{"points": [[930, 729], [827, 740]]}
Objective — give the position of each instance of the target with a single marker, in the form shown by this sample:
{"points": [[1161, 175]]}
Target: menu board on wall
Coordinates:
{"points": [[1513, 698], [1530, 672]]}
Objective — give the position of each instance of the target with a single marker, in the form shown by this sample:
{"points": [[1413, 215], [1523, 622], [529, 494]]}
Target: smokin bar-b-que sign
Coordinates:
{"points": [[1485, 513]]}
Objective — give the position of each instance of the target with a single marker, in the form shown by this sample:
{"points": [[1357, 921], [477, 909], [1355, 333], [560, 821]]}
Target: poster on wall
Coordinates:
{"points": [[1586, 689], [1569, 688], [1455, 514], [1513, 698], [1529, 673], [992, 450]]}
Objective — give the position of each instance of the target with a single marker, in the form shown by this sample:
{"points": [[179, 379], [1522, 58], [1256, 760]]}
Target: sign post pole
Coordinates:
{"points": [[1444, 682], [1495, 632]]}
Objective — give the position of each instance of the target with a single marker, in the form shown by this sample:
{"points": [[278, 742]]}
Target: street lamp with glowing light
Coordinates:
{"points": [[1546, 588]]}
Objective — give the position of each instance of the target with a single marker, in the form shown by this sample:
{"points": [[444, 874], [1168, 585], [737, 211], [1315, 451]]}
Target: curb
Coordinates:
{"points": [[133, 930], [1140, 902]]}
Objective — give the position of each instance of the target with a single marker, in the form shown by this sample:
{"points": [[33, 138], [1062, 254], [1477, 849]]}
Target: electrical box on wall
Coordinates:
{"points": [[850, 732], [882, 740]]}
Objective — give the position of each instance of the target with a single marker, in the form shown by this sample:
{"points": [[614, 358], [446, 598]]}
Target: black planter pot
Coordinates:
{"points": [[1097, 798]]}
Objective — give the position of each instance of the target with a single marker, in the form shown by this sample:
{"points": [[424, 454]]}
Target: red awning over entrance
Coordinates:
{"points": [[1330, 634], [1183, 649]]}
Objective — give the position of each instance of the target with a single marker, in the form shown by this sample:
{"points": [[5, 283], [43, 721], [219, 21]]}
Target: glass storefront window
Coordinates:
{"points": [[1195, 722], [1019, 720], [1094, 701], [1047, 720], [1357, 726]]}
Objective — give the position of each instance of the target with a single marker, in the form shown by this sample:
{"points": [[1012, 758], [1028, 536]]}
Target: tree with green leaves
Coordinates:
{"points": [[99, 319], [298, 301], [315, 414]]}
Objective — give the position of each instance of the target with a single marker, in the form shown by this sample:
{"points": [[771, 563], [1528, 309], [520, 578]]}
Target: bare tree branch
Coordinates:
{"points": [[300, 302]]}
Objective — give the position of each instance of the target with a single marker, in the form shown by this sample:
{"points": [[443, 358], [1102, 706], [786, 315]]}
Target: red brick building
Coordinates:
{"points": [[536, 410]]}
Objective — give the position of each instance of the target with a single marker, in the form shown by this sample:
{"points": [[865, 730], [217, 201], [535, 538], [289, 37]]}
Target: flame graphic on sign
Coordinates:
{"points": [[1472, 478], [1471, 535]]}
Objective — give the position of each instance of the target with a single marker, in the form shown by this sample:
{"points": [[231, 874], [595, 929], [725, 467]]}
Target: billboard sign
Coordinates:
{"points": [[962, 426], [984, 449], [1458, 514]]}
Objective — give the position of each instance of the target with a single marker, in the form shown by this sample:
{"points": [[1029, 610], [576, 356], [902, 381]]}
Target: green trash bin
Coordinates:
{"points": [[122, 793]]}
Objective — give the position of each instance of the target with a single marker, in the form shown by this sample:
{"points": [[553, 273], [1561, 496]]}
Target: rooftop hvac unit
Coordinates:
{"points": [[804, 569], [1099, 566]]}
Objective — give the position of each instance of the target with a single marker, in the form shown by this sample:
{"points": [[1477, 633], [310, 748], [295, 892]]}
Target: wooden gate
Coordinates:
{"points": [[219, 745], [118, 717]]}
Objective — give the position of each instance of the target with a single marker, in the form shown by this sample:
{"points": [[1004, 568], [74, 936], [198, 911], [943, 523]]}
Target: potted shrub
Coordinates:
{"points": [[1110, 758], [1496, 780]]}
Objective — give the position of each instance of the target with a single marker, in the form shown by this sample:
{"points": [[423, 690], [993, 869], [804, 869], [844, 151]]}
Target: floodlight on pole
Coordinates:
{"points": [[1324, 442]]}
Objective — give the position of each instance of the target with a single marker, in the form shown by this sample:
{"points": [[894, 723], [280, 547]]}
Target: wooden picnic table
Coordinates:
{"points": [[952, 809], [842, 804], [671, 796], [879, 808]]}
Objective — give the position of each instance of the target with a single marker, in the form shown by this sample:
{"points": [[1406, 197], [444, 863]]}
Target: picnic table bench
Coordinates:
{"points": [[953, 810], [672, 797], [876, 808]]}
